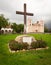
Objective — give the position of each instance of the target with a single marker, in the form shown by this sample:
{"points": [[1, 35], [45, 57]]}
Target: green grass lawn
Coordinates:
{"points": [[32, 57]]}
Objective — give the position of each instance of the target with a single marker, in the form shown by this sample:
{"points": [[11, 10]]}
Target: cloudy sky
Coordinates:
{"points": [[40, 8]]}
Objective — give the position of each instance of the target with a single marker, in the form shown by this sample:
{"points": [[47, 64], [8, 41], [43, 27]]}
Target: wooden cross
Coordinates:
{"points": [[24, 13]]}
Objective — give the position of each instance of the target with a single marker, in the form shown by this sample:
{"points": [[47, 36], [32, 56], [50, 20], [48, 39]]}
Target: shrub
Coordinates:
{"points": [[25, 46], [41, 43], [19, 46], [33, 45], [13, 45], [38, 44]]}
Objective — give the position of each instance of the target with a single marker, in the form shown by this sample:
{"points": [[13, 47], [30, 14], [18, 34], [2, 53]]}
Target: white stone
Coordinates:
{"points": [[27, 39]]}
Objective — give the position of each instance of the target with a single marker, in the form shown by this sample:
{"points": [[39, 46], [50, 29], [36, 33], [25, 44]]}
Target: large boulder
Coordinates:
{"points": [[25, 39]]}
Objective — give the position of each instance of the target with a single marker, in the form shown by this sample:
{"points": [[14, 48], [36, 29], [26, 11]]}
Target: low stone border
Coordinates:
{"points": [[28, 50]]}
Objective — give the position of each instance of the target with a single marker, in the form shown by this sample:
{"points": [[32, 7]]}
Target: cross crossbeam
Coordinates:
{"points": [[22, 13]]}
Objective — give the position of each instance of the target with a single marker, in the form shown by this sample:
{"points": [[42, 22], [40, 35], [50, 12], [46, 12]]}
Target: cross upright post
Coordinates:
{"points": [[24, 13], [24, 18]]}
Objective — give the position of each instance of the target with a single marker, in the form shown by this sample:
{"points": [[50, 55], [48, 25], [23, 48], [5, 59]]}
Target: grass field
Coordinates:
{"points": [[32, 57]]}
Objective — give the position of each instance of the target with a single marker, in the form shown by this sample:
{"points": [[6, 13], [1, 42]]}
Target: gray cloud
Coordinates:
{"points": [[40, 8]]}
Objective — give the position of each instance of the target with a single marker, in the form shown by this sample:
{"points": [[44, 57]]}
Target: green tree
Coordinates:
{"points": [[3, 21], [17, 27], [20, 28], [49, 30], [45, 28], [14, 26]]}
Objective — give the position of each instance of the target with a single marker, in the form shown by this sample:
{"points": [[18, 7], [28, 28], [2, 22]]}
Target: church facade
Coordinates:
{"points": [[37, 27]]}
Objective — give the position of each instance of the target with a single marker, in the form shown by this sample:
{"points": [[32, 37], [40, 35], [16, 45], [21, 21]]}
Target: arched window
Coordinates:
{"points": [[6, 31], [2, 31], [9, 30]]}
